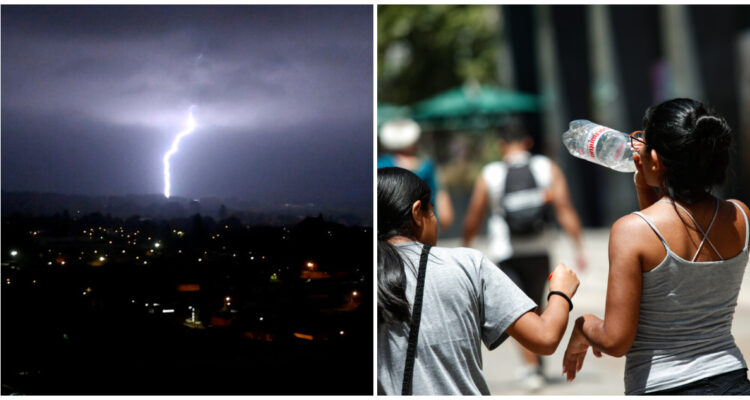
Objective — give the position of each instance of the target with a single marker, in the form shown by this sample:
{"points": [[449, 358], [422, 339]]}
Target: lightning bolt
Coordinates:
{"points": [[176, 142]]}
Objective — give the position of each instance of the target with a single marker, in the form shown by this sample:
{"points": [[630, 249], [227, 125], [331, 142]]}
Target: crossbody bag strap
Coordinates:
{"points": [[416, 315]]}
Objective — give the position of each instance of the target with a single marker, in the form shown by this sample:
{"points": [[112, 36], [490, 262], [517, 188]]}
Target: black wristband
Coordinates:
{"points": [[564, 296]]}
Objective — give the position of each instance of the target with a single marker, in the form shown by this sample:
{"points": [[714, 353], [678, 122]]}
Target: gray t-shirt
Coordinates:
{"points": [[466, 299]]}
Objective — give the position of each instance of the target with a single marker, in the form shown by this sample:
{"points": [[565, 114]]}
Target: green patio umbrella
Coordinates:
{"points": [[388, 111], [473, 107]]}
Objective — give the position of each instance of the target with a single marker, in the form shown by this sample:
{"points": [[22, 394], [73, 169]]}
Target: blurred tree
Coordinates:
{"points": [[426, 49]]}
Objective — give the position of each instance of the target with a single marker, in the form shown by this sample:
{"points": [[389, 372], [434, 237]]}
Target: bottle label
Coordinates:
{"points": [[594, 139]]}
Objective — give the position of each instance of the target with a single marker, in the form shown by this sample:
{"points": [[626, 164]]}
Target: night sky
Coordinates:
{"points": [[92, 98]]}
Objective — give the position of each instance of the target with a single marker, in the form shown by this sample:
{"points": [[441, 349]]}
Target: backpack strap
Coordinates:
{"points": [[525, 165], [416, 316]]}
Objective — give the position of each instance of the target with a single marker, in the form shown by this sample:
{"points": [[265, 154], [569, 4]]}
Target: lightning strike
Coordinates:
{"points": [[176, 142]]}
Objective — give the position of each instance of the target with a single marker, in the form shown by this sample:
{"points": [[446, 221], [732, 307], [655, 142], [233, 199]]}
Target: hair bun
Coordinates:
{"points": [[712, 132], [709, 125], [714, 138]]}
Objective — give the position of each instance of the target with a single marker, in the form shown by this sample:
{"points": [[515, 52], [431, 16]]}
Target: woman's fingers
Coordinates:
{"points": [[571, 364]]}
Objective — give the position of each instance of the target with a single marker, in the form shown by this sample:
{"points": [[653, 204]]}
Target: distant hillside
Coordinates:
{"points": [[157, 206]]}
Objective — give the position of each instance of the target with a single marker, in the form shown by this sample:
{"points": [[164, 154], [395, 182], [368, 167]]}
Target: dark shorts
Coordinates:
{"points": [[730, 383], [528, 273]]}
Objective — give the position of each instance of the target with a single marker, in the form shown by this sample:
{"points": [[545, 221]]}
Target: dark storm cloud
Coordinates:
{"points": [[286, 84]]}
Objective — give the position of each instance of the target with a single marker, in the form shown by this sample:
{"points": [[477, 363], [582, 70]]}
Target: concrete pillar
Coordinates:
{"points": [[743, 130], [680, 52], [609, 107]]}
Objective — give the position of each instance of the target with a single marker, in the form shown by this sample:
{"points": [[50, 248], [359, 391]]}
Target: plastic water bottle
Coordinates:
{"points": [[599, 144]]}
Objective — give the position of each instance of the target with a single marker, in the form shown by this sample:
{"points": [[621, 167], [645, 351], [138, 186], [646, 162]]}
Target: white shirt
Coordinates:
{"points": [[501, 245]]}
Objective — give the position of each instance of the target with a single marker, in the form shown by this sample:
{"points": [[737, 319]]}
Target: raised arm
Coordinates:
{"points": [[615, 334], [476, 211], [542, 333]]}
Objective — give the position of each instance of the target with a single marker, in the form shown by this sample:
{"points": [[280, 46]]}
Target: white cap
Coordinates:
{"points": [[399, 134]]}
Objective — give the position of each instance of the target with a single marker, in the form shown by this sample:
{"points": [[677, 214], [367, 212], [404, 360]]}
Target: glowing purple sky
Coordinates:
{"points": [[92, 97]]}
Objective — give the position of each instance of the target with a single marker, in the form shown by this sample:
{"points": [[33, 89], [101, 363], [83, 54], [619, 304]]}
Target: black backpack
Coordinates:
{"points": [[523, 202]]}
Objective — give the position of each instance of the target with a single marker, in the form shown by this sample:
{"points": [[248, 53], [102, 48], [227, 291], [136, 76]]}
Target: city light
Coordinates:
{"points": [[303, 336], [224, 249]]}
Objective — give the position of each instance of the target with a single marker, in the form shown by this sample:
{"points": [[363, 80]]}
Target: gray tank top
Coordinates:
{"points": [[685, 319]]}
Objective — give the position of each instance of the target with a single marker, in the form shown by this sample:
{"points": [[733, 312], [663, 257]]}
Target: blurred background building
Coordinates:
{"points": [[463, 71]]}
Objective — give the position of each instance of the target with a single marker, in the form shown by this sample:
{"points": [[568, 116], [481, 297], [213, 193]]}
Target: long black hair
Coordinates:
{"points": [[693, 142], [398, 190]]}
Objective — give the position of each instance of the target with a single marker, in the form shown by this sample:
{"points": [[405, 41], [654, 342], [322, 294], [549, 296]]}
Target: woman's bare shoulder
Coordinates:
{"points": [[631, 232], [633, 245], [631, 224], [742, 205]]}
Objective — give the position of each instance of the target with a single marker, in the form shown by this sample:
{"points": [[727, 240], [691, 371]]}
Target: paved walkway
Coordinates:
{"points": [[599, 376]]}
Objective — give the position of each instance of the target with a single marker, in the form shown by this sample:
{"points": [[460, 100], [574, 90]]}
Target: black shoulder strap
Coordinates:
{"points": [[416, 315]]}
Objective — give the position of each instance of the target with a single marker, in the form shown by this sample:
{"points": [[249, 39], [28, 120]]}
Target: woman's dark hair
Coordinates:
{"points": [[693, 142], [398, 189]]}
